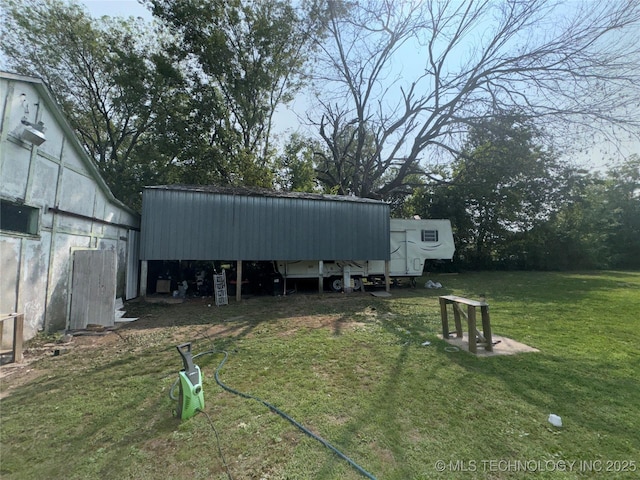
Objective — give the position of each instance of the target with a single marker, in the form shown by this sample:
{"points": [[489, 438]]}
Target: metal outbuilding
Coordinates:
{"points": [[186, 222], [68, 247]]}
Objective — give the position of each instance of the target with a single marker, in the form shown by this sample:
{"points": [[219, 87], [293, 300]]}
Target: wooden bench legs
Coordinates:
{"points": [[485, 337], [444, 317], [486, 328]]}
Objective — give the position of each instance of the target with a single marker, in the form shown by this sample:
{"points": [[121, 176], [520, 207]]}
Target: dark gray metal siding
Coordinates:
{"points": [[202, 225]]}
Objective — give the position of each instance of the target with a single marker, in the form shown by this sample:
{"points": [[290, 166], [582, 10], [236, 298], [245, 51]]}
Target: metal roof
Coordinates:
{"points": [[261, 192], [186, 222]]}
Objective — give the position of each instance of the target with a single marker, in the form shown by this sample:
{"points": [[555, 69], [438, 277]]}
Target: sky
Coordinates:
{"points": [[116, 8], [286, 120]]}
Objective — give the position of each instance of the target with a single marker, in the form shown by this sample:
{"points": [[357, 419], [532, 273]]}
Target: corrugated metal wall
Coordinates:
{"points": [[205, 223]]}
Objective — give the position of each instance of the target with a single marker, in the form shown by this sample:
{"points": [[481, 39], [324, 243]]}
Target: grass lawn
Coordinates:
{"points": [[350, 368]]}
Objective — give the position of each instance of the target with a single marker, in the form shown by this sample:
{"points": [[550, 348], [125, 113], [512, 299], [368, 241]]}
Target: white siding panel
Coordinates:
{"points": [[43, 184], [78, 193], [15, 171], [33, 282]]}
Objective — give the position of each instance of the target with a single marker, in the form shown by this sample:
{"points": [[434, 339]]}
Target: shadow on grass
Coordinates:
{"points": [[591, 395], [94, 417], [385, 406], [196, 311]]}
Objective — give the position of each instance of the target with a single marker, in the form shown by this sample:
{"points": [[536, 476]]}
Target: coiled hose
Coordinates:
{"points": [[275, 409]]}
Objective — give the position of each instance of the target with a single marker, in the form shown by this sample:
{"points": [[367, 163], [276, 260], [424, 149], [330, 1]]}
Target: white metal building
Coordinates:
{"points": [[55, 207]]}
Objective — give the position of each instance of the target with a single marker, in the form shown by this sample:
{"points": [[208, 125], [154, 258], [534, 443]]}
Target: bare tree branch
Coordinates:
{"points": [[572, 66]]}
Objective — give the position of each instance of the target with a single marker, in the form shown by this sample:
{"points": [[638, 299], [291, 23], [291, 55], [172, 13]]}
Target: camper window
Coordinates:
{"points": [[429, 235], [18, 218]]}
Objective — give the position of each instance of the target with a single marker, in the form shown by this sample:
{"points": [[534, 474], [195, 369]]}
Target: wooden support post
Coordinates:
{"points": [[471, 320], [346, 280], [457, 313], [444, 317], [18, 334], [387, 275], [239, 280], [486, 328], [18, 329]]}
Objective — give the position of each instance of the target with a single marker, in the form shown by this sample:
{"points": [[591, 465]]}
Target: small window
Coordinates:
{"points": [[18, 218], [429, 235]]}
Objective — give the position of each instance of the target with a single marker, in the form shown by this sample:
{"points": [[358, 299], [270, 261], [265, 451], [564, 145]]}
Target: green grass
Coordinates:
{"points": [[351, 369]]}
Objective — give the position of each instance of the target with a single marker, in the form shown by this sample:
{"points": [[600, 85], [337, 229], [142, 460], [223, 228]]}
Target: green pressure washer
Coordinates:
{"points": [[191, 400], [191, 396]]}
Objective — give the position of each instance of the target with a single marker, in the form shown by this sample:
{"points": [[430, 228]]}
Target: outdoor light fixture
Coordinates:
{"points": [[32, 132]]}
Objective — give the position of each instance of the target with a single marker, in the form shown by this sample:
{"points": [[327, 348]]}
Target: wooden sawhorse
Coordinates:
{"points": [[474, 334]]}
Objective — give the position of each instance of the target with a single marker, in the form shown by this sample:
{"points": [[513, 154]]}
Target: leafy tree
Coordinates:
{"points": [[598, 224], [575, 237], [109, 76], [505, 184], [247, 58], [295, 166], [592, 221], [623, 202], [573, 66]]}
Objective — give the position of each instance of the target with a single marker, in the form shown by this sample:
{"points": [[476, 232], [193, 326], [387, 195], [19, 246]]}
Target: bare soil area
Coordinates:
{"points": [[161, 323]]}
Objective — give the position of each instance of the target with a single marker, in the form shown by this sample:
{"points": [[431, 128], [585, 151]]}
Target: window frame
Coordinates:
{"points": [[429, 235], [23, 219]]}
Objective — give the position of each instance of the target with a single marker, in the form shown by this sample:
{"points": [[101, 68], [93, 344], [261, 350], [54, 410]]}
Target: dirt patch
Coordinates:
{"points": [[37, 351], [15, 375], [109, 338], [191, 319]]}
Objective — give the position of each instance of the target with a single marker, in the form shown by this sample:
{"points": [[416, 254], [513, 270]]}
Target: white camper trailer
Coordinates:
{"points": [[412, 242]]}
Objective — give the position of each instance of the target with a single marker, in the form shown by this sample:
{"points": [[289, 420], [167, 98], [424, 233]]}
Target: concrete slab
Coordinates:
{"points": [[506, 346], [380, 294]]}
